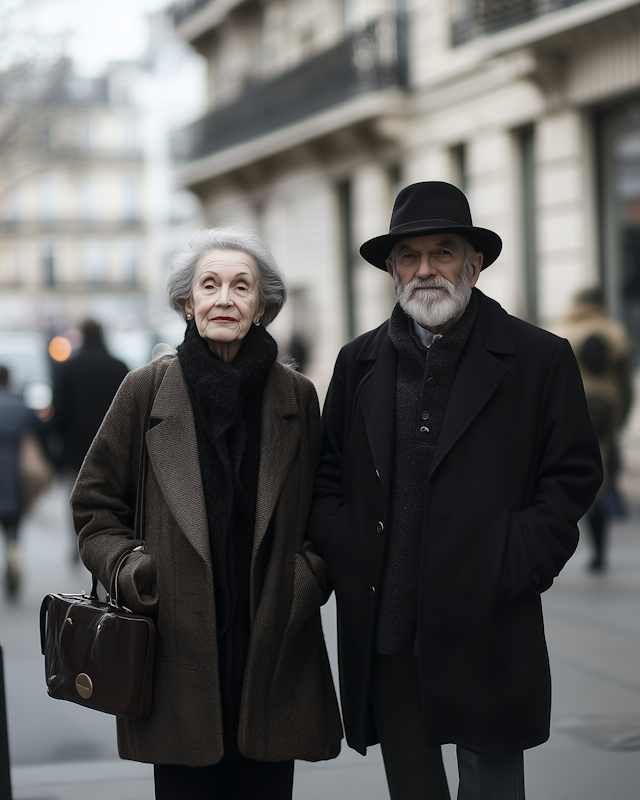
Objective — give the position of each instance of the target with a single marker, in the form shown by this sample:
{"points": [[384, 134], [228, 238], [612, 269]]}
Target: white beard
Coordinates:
{"points": [[434, 308]]}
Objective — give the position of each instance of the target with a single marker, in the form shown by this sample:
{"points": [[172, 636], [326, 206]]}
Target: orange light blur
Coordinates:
{"points": [[59, 348]]}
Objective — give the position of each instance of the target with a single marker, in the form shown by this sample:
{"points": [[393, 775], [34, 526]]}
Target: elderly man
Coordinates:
{"points": [[458, 456]]}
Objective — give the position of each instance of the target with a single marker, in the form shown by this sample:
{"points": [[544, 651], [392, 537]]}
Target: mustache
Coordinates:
{"points": [[432, 282]]}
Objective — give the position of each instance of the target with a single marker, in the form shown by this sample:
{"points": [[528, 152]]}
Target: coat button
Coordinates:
{"points": [[430, 381], [425, 414], [373, 591], [536, 579], [380, 527], [424, 429]]}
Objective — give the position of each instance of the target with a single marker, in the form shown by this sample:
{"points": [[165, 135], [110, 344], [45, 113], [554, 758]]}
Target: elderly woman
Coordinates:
{"points": [[242, 683]]}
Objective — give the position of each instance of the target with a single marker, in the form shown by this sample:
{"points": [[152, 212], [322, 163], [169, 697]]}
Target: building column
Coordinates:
{"points": [[565, 263], [372, 199], [489, 162], [427, 163]]}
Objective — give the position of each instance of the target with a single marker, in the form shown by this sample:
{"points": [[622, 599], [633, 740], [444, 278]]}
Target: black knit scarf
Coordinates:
{"points": [[226, 400]]}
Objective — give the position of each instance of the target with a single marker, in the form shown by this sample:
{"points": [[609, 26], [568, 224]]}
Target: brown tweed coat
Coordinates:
{"points": [[289, 708]]}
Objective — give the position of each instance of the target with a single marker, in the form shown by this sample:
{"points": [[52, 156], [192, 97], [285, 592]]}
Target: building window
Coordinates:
{"points": [[12, 205], [49, 264], [129, 194], [130, 134], [525, 141], [128, 261], [89, 199], [91, 135], [48, 198], [619, 140], [93, 259], [18, 265], [345, 210], [459, 168]]}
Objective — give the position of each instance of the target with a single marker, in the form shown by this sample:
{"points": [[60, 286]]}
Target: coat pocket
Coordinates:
{"points": [[517, 576], [138, 584], [303, 625]]}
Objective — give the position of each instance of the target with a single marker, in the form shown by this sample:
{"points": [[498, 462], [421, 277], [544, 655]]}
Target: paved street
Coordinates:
{"points": [[63, 752]]}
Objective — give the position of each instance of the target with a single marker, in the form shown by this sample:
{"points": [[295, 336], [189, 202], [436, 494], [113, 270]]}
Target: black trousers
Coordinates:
{"points": [[414, 768], [10, 527], [243, 779], [597, 518]]}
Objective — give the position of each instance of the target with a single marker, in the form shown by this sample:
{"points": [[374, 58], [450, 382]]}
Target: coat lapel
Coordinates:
{"points": [[377, 398], [173, 455], [280, 410], [478, 375]]}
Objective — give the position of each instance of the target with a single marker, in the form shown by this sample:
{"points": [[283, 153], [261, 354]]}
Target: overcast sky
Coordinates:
{"points": [[98, 31]]}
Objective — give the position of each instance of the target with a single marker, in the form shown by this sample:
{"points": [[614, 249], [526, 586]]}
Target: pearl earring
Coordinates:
{"points": [[189, 317], [257, 323]]}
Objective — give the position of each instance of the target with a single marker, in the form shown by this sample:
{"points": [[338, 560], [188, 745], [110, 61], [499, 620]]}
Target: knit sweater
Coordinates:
{"points": [[424, 380]]}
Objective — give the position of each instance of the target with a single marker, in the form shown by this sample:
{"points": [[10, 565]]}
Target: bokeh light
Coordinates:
{"points": [[60, 348]]}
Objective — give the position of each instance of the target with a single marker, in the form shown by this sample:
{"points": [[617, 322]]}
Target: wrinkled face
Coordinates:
{"points": [[432, 281], [224, 300]]}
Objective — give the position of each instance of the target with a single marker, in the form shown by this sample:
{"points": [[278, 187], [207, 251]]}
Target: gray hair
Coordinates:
{"points": [[469, 252], [272, 287]]}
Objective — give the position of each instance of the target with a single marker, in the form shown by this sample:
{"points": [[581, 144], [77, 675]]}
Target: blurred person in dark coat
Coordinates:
{"points": [[15, 421], [601, 347], [457, 458], [83, 388]]}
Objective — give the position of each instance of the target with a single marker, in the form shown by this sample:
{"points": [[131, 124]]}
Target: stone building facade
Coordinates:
{"points": [[73, 223], [320, 110]]}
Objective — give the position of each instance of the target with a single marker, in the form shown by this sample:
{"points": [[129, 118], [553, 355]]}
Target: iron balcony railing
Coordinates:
{"points": [[182, 9], [371, 59], [481, 17]]}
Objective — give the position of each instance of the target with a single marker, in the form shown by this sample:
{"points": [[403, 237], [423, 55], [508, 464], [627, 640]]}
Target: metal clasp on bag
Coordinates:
{"points": [[74, 594]]}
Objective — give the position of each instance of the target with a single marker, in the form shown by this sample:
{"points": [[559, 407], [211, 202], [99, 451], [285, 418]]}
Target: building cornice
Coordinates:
{"points": [[487, 77], [380, 104], [463, 60], [205, 19]]}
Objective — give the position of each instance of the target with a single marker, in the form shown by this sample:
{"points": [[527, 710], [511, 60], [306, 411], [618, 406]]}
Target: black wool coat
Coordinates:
{"points": [[516, 466], [83, 388]]}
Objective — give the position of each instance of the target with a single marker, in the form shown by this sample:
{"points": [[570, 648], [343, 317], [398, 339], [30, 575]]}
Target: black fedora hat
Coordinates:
{"points": [[426, 208]]}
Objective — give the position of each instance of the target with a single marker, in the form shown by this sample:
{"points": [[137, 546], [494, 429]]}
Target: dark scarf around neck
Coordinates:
{"points": [[226, 400]]}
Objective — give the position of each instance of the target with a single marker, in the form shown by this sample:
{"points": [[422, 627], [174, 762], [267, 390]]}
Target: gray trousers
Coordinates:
{"points": [[414, 769]]}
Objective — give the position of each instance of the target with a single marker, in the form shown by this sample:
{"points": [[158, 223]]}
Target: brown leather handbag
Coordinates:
{"points": [[99, 654]]}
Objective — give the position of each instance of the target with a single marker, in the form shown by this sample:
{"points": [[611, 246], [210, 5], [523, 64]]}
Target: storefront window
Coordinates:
{"points": [[620, 140]]}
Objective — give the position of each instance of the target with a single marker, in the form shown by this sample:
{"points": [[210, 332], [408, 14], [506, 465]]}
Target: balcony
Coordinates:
{"points": [[185, 8], [483, 17], [370, 60]]}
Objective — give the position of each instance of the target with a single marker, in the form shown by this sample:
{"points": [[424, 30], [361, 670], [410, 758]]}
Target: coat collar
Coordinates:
{"points": [[377, 397], [478, 376], [173, 453], [280, 407]]}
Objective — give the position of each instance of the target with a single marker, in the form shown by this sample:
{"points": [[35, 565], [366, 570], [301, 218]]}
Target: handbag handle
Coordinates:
{"points": [[138, 524]]}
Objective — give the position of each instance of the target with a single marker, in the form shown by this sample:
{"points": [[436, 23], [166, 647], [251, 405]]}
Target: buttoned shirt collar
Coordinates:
{"points": [[426, 337]]}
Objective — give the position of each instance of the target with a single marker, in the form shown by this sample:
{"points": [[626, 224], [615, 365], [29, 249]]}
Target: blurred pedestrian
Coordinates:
{"points": [[83, 388], [299, 352], [16, 420], [602, 350], [457, 458], [243, 685]]}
